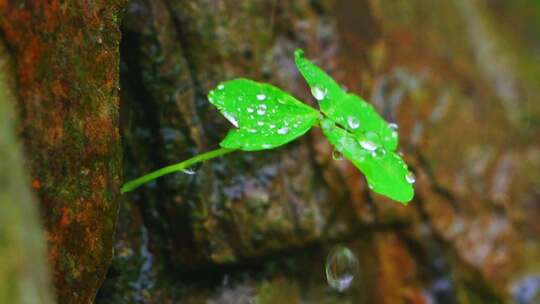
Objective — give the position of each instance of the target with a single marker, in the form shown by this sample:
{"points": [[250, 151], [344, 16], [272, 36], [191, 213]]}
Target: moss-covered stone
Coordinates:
{"points": [[66, 57]]}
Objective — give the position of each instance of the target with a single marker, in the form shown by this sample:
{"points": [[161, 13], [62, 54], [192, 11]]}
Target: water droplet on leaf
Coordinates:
{"points": [[341, 268], [250, 110], [410, 178], [368, 145], [379, 152], [261, 109], [393, 126], [220, 87], [261, 97], [353, 122], [231, 118], [318, 93], [283, 131]]}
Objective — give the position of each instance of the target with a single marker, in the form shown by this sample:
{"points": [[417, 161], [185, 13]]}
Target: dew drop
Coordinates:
{"points": [[260, 123], [189, 171], [283, 131], [379, 152], [341, 268], [250, 110], [252, 131], [353, 122], [393, 126], [231, 118], [220, 87], [394, 134], [272, 126], [267, 146], [261, 97], [336, 155], [368, 145], [328, 124], [410, 178], [318, 93], [261, 109]]}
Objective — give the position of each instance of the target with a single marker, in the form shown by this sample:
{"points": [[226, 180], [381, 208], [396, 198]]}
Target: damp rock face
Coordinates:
{"points": [[66, 80], [257, 226]]}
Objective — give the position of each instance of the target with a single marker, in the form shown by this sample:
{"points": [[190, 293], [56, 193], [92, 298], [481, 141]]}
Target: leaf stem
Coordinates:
{"points": [[134, 184]]}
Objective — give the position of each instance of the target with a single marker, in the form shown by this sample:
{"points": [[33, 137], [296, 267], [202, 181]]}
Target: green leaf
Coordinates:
{"points": [[348, 110], [385, 171], [265, 117]]}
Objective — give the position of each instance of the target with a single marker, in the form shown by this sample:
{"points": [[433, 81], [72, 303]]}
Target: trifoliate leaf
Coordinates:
{"points": [[348, 110], [385, 171], [264, 116]]}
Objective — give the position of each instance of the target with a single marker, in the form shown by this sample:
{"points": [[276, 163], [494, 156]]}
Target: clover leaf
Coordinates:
{"points": [[348, 110], [264, 116], [385, 171]]}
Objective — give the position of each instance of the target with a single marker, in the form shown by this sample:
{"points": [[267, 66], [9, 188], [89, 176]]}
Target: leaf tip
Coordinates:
{"points": [[405, 199]]}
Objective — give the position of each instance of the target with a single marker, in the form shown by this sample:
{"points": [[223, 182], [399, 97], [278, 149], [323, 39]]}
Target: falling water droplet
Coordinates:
{"points": [[410, 178], [231, 118], [261, 97], [318, 93], [368, 145], [353, 122], [336, 155], [283, 131], [341, 268], [261, 109]]}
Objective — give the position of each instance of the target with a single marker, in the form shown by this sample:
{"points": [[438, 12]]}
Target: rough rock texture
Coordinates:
{"points": [[66, 61], [24, 275], [457, 76]]}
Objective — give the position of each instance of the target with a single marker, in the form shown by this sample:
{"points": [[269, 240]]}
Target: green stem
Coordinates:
{"points": [[134, 184]]}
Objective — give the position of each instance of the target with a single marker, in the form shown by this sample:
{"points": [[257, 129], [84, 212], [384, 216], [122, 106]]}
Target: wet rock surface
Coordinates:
{"points": [[65, 57], [456, 77]]}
